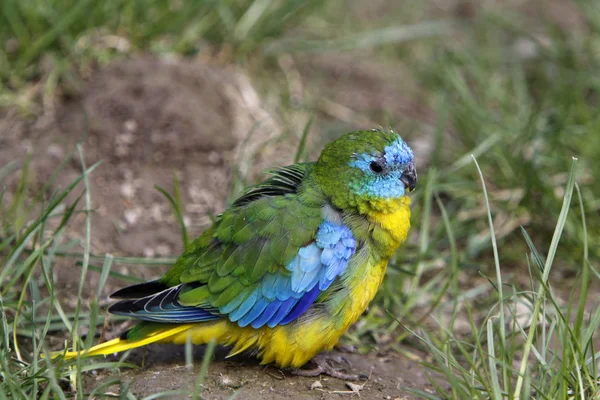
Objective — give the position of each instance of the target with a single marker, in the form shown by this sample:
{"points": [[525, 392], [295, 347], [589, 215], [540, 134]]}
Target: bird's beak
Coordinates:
{"points": [[409, 177]]}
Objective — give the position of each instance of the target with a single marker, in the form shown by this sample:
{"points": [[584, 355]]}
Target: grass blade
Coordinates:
{"points": [[547, 266]]}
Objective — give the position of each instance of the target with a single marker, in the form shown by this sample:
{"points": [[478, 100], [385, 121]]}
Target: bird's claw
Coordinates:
{"points": [[323, 366]]}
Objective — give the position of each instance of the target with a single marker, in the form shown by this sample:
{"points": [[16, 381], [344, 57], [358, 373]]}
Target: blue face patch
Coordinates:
{"points": [[386, 184], [398, 153]]}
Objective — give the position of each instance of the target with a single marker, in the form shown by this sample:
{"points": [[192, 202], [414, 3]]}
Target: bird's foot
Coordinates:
{"points": [[323, 366]]}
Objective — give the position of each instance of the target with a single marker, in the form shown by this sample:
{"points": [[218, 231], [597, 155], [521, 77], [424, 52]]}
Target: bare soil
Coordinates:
{"points": [[164, 369], [149, 120]]}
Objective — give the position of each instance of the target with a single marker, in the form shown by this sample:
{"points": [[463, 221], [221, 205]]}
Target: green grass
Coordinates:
{"points": [[493, 250], [525, 119], [54, 42], [31, 307], [548, 354], [529, 117]]}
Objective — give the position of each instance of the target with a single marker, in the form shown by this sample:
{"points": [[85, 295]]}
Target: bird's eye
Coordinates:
{"points": [[376, 167]]}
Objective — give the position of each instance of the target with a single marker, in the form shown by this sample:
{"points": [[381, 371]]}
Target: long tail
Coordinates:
{"points": [[121, 344], [163, 319]]}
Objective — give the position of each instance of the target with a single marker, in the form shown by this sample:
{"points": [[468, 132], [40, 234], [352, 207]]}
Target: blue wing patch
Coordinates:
{"points": [[282, 297]]}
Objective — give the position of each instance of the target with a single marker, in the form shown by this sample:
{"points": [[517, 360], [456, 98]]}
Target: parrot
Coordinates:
{"points": [[289, 266]]}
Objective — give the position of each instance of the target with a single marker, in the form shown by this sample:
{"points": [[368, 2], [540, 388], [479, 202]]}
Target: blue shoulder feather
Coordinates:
{"points": [[282, 297]]}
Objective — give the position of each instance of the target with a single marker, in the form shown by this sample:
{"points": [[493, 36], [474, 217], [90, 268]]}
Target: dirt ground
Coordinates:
{"points": [[164, 369], [149, 120]]}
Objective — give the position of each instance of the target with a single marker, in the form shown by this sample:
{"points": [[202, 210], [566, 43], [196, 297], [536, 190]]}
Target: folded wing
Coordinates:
{"points": [[264, 262]]}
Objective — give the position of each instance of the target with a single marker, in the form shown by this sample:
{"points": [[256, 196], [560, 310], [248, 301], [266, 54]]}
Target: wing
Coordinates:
{"points": [[273, 288], [264, 262]]}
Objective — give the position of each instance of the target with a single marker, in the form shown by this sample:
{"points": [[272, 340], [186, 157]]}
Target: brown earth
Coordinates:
{"points": [[164, 370], [149, 120]]}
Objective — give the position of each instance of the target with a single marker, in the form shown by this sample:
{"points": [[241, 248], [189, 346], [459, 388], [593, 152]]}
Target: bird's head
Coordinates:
{"points": [[367, 171]]}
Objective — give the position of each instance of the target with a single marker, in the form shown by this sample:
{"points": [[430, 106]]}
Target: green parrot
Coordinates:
{"points": [[290, 265]]}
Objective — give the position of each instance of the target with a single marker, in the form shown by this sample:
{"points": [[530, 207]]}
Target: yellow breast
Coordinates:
{"points": [[391, 222]]}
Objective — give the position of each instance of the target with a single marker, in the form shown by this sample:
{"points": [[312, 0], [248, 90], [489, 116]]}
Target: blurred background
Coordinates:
{"points": [[198, 97]]}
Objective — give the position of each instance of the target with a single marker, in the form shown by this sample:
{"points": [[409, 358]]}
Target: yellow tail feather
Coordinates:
{"points": [[118, 345]]}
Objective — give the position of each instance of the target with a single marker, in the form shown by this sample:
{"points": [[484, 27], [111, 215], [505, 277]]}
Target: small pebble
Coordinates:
{"points": [[163, 250], [55, 151], [132, 215], [130, 125], [128, 190]]}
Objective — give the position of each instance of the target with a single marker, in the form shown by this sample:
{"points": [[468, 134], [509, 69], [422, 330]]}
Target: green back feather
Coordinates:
{"points": [[262, 232]]}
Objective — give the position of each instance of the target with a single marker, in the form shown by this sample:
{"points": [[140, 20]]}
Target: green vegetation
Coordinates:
{"points": [[515, 100]]}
